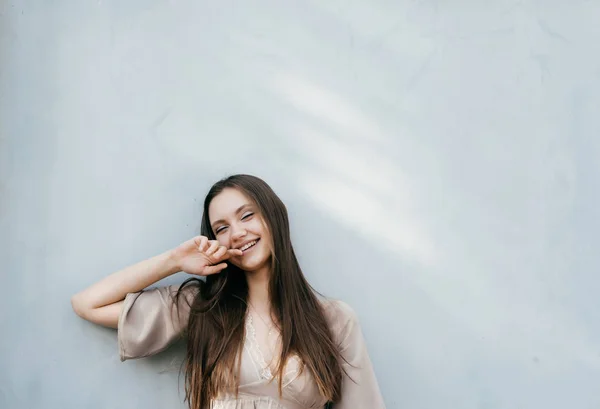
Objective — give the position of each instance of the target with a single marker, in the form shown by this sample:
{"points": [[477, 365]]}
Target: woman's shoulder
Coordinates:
{"points": [[340, 316], [336, 308]]}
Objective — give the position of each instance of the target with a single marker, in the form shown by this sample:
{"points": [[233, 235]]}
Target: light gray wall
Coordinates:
{"points": [[440, 161]]}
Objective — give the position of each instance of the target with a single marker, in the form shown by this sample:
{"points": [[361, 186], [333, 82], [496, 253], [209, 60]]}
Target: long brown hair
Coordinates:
{"points": [[216, 323]]}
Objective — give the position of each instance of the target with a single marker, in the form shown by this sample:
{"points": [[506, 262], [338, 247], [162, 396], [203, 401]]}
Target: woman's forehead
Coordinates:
{"points": [[227, 203]]}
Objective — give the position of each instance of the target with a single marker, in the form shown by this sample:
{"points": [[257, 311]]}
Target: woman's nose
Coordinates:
{"points": [[239, 233]]}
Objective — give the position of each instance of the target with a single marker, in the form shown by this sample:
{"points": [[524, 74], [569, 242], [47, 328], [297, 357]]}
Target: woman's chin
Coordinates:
{"points": [[253, 266]]}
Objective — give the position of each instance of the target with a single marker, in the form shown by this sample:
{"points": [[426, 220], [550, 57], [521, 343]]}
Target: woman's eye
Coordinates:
{"points": [[246, 215], [220, 229]]}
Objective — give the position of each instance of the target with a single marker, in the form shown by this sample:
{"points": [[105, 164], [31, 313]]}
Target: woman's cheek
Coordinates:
{"points": [[258, 226], [222, 240]]}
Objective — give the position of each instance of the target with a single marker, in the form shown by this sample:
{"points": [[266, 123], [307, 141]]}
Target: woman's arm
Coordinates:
{"points": [[102, 302], [359, 386]]}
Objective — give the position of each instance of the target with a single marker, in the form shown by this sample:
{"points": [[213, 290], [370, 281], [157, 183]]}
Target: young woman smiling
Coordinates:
{"points": [[258, 336]]}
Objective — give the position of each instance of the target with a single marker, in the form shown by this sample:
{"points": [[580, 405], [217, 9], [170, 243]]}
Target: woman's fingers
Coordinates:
{"points": [[212, 248], [216, 251], [217, 254], [203, 243], [220, 253], [215, 269], [235, 252]]}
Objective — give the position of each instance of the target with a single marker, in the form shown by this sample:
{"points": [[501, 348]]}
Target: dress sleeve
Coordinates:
{"points": [[150, 322], [359, 386]]}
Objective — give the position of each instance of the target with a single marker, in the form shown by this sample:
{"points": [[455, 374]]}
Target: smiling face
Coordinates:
{"points": [[237, 223]]}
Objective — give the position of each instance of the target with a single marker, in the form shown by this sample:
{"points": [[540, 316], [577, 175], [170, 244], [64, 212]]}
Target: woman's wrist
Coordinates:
{"points": [[171, 262]]}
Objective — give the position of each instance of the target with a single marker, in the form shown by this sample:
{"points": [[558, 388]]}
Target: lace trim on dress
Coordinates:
{"points": [[262, 402], [258, 359], [255, 353]]}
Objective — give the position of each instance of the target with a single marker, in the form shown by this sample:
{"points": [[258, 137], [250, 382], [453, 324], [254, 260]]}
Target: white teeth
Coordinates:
{"points": [[248, 245]]}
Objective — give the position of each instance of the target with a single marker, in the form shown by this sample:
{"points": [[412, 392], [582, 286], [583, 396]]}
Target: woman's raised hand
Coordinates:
{"points": [[201, 256]]}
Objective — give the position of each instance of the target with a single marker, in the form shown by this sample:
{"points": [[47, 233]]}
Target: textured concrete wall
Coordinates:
{"points": [[439, 160]]}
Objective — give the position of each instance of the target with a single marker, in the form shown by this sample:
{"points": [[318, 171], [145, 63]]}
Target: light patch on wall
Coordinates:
{"points": [[316, 101], [348, 178], [343, 168], [368, 216]]}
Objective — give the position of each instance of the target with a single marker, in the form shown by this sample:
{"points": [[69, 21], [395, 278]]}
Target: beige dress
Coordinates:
{"points": [[149, 324]]}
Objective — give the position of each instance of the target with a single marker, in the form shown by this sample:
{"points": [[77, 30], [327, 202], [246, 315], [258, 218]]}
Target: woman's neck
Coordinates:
{"points": [[258, 290]]}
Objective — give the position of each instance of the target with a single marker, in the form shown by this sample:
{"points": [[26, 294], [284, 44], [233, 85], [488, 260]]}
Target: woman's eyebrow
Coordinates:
{"points": [[239, 209]]}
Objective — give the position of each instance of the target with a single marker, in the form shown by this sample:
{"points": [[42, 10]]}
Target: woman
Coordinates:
{"points": [[257, 334]]}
